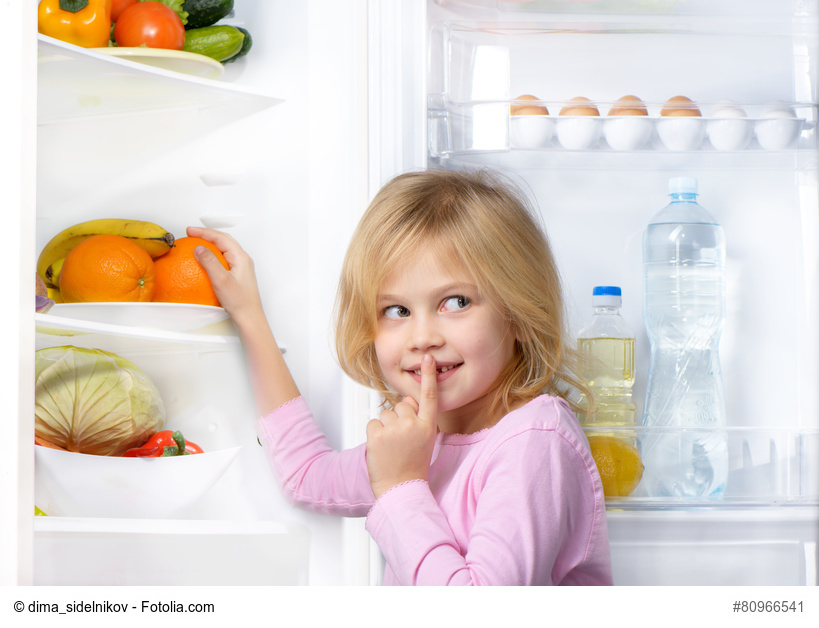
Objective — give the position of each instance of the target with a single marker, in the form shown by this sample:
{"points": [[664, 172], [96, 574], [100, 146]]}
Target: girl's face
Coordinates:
{"points": [[426, 307]]}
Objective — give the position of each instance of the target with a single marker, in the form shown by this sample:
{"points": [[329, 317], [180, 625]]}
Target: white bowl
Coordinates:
{"points": [[578, 132], [729, 133], [778, 133], [69, 484], [681, 133], [531, 131], [627, 132]]}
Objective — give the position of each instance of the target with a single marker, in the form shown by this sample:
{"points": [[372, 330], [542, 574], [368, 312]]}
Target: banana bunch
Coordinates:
{"points": [[154, 239]]}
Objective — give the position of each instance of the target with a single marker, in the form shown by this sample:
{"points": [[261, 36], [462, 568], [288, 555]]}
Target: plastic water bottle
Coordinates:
{"points": [[607, 345], [684, 310]]}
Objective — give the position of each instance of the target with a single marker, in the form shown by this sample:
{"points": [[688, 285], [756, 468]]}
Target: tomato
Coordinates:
{"points": [[119, 6], [150, 24]]}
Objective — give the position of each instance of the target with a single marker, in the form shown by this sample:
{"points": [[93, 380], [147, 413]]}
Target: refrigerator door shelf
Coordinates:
{"points": [[81, 552], [173, 60], [100, 116], [463, 128], [61, 327], [81, 485], [76, 83], [155, 315]]}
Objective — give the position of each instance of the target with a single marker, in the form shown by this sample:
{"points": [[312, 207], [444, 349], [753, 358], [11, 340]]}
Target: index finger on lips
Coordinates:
{"points": [[428, 404]]}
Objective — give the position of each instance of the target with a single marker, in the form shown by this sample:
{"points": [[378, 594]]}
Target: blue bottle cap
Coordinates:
{"points": [[600, 290], [606, 296]]}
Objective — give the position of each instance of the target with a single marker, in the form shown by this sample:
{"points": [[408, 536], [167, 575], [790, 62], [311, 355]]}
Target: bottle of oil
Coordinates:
{"points": [[607, 349]]}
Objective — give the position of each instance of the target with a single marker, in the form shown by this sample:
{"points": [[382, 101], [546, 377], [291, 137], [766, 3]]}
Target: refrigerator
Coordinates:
{"points": [[284, 148]]}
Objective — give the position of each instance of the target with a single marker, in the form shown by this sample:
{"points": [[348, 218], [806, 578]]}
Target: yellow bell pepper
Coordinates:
{"points": [[85, 23]]}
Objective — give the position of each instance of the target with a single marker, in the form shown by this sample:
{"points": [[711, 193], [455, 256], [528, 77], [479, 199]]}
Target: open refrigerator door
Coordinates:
{"points": [[267, 148]]}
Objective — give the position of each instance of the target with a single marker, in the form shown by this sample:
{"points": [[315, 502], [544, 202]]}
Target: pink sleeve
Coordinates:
{"points": [[538, 519], [309, 471]]}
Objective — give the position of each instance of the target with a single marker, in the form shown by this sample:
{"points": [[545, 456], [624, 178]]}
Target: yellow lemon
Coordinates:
{"points": [[618, 463]]}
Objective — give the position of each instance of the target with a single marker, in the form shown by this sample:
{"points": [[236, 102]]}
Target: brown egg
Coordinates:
{"points": [[680, 106], [628, 106], [580, 106], [528, 110]]}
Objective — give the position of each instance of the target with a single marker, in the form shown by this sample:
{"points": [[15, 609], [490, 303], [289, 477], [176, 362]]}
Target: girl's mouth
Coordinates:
{"points": [[443, 372], [443, 369]]}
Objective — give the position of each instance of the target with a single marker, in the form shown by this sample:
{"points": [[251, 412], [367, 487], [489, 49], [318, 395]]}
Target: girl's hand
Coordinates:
{"points": [[400, 441], [236, 288]]}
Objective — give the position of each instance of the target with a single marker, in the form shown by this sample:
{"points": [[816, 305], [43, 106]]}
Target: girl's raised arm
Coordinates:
{"points": [[238, 293]]}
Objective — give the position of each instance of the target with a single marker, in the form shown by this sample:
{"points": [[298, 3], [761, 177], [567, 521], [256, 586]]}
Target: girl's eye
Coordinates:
{"points": [[395, 311], [456, 303]]}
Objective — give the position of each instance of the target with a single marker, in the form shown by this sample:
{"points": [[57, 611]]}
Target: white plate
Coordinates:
{"points": [[175, 60], [164, 316]]}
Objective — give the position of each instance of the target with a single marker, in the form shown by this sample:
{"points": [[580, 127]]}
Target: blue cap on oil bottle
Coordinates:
{"points": [[607, 295]]}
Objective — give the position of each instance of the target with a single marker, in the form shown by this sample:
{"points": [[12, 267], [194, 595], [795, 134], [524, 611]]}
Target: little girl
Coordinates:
{"points": [[449, 305]]}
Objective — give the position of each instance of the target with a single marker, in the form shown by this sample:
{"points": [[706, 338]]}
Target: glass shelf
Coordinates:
{"points": [[765, 467]]}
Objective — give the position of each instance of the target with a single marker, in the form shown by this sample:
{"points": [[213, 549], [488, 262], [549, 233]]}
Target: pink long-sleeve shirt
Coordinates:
{"points": [[519, 503]]}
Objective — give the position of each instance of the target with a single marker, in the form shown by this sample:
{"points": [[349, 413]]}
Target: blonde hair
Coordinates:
{"points": [[484, 223]]}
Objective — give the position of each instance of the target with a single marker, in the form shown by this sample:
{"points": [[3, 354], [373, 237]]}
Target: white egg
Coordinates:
{"points": [[779, 126], [729, 127]]}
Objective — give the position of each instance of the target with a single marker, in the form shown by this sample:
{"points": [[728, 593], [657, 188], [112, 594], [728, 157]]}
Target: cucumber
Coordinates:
{"points": [[206, 12], [247, 43], [217, 42]]}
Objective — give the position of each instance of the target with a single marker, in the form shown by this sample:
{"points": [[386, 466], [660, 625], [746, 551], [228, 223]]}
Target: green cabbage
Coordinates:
{"points": [[94, 402]]}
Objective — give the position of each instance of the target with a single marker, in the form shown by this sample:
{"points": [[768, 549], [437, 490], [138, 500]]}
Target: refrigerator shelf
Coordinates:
{"points": [[554, 160], [766, 467], [630, 10]]}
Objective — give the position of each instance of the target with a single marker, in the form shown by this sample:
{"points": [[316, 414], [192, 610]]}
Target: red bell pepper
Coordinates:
{"points": [[162, 444]]}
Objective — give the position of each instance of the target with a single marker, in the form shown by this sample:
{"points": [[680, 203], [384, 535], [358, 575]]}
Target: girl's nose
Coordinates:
{"points": [[425, 334]]}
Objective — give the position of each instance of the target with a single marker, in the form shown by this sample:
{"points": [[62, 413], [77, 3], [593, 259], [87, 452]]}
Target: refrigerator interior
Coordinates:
{"points": [[595, 198], [271, 152]]}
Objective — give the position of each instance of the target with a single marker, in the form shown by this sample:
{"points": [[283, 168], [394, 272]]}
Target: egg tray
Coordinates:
{"points": [[654, 132]]}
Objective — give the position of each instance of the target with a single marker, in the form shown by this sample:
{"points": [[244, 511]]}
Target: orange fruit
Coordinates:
{"points": [[180, 278], [107, 267]]}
